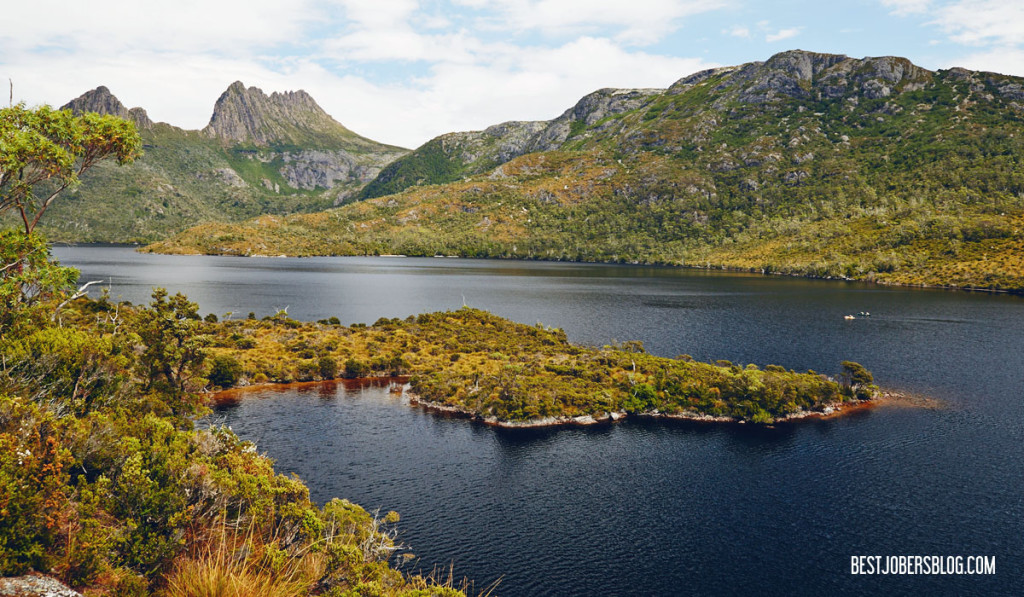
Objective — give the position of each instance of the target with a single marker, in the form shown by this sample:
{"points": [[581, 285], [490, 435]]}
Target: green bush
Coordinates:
{"points": [[225, 371], [328, 367]]}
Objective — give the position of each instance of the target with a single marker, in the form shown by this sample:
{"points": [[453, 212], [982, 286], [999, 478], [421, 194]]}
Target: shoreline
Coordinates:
{"points": [[234, 394], [400, 383], [831, 411], [708, 268]]}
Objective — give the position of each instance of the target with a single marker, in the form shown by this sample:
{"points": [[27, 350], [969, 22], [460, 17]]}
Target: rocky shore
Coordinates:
{"points": [[829, 411]]}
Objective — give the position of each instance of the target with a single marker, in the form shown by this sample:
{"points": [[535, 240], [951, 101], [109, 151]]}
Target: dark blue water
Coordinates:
{"points": [[648, 508]]}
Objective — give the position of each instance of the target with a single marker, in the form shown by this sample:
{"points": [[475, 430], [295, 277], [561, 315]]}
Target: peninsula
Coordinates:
{"points": [[509, 374]]}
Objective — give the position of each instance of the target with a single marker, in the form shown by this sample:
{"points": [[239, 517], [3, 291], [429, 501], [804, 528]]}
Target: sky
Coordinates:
{"points": [[405, 71]]}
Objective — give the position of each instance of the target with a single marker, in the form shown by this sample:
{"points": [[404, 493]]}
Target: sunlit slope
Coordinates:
{"points": [[808, 163]]}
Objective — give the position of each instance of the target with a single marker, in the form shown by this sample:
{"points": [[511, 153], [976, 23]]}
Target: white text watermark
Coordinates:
{"points": [[922, 565]]}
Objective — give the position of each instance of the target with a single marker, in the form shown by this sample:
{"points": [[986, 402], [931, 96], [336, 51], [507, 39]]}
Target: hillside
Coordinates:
{"points": [[812, 164], [260, 154]]}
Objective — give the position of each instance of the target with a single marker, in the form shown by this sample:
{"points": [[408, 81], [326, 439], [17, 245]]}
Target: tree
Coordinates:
{"points": [[174, 349], [44, 152], [854, 374], [858, 380], [29, 281]]}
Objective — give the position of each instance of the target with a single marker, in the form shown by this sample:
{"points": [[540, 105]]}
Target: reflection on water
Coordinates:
{"points": [[645, 508]]}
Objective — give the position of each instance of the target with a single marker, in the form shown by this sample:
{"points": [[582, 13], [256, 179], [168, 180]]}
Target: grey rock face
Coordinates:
{"points": [[328, 154], [248, 115], [101, 101], [808, 75], [699, 77], [319, 169], [589, 111], [223, 175], [35, 586], [502, 142], [498, 144]]}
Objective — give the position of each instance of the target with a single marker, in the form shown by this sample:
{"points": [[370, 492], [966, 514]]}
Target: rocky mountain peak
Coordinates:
{"points": [[803, 65], [248, 115], [102, 101], [803, 75]]}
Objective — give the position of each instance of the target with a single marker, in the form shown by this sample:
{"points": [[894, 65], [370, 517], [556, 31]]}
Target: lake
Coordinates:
{"points": [[652, 508]]}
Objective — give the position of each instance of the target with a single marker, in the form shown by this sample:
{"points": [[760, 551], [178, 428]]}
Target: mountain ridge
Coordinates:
{"points": [[259, 154], [101, 100], [786, 74], [805, 163]]}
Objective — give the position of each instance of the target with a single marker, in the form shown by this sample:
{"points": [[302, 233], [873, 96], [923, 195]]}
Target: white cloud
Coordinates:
{"points": [[995, 26], [1005, 60], [231, 27], [532, 83], [636, 21], [174, 59], [738, 31], [782, 34], [907, 7], [378, 13], [982, 22]]}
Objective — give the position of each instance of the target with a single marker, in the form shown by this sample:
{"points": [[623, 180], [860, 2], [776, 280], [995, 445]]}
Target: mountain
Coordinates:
{"points": [[100, 100], [806, 163], [260, 154], [450, 157]]}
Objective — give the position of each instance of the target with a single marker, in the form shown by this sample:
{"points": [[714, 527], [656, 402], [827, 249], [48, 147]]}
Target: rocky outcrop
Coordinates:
{"points": [[321, 169], [588, 112], [503, 142], [35, 586], [317, 151], [477, 151], [100, 100], [225, 176], [247, 115], [804, 75], [495, 144]]}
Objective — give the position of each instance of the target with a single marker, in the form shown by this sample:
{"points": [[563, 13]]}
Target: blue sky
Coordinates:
{"points": [[403, 71]]}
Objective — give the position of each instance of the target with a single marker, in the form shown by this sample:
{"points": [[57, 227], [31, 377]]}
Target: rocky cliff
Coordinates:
{"points": [[315, 151]]}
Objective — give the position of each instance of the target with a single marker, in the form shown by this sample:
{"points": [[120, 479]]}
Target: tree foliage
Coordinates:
{"points": [[44, 151], [173, 355], [30, 284]]}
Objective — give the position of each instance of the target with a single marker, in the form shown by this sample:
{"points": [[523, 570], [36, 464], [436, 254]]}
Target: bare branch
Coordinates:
{"points": [[77, 295]]}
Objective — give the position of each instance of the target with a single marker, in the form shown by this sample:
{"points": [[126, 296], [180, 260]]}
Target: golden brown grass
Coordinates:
{"points": [[230, 563]]}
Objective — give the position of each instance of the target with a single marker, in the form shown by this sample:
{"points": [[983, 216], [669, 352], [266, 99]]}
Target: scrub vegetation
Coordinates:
{"points": [[486, 366], [106, 481]]}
